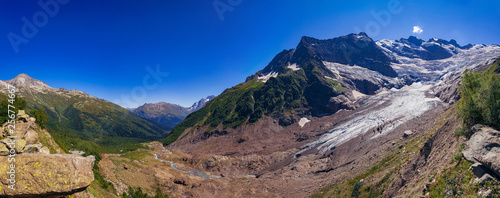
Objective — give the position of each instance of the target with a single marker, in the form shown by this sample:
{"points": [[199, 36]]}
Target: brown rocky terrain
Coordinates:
{"points": [[279, 169], [278, 175]]}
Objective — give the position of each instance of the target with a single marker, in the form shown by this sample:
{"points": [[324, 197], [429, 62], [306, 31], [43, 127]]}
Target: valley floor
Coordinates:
{"points": [[367, 144]]}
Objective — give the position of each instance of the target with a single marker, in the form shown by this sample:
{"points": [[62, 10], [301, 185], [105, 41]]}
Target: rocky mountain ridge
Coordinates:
{"points": [[433, 49], [200, 103], [168, 114]]}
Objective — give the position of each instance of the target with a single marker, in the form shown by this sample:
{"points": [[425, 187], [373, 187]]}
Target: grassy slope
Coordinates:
{"points": [[247, 103]]}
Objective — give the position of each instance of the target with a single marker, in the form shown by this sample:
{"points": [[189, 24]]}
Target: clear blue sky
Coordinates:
{"points": [[102, 47]]}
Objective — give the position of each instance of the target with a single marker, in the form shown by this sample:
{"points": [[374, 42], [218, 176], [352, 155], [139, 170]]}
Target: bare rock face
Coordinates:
{"points": [[484, 147], [40, 175]]}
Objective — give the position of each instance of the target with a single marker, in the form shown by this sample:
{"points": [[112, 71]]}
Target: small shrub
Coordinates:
{"points": [[460, 131], [456, 157], [355, 191], [137, 193]]}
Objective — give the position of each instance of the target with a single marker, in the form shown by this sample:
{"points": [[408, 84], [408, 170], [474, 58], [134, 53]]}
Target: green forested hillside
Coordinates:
{"points": [[74, 116], [305, 92]]}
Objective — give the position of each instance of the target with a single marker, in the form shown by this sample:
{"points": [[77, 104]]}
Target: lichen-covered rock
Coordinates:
{"points": [[39, 175], [33, 148], [484, 147], [20, 145], [3, 150], [31, 137]]}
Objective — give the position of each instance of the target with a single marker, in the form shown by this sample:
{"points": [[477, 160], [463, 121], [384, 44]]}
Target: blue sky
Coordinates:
{"points": [[104, 47]]}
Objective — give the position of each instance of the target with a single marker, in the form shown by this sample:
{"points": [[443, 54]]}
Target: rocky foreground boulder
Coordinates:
{"points": [[41, 175], [484, 147], [27, 169]]}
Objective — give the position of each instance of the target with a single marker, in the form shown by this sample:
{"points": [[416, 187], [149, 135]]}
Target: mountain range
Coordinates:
{"points": [[321, 77], [167, 114]]}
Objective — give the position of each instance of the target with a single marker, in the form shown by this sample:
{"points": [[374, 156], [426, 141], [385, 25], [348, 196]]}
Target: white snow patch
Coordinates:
{"points": [[293, 67], [266, 77], [303, 122], [417, 85]]}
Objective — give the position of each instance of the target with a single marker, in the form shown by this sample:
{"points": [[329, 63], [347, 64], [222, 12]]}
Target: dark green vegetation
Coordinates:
{"points": [[66, 135], [99, 179], [16, 102], [137, 193], [480, 98], [41, 116], [101, 121], [355, 190], [76, 120]]}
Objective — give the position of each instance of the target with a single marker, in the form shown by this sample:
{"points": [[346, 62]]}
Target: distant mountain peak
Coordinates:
{"points": [[202, 102], [363, 34], [23, 80], [168, 114]]}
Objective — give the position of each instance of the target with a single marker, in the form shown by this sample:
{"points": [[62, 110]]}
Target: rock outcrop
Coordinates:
{"points": [[25, 139], [27, 169], [484, 147]]}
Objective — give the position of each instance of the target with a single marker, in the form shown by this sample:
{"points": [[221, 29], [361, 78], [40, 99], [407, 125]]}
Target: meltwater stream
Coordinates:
{"points": [[196, 173], [193, 172]]}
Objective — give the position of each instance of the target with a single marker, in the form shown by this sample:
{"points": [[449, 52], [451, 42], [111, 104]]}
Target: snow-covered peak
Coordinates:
{"points": [[199, 104], [413, 47]]}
